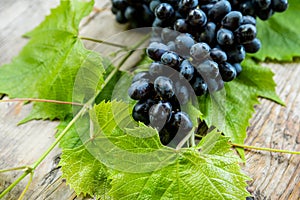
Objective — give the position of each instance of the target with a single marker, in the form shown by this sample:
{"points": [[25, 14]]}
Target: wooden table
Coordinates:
{"points": [[275, 176]]}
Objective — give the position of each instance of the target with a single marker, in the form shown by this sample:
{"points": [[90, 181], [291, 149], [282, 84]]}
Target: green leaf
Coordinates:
{"points": [[84, 173], [210, 171], [280, 35], [231, 110], [119, 142], [47, 66], [71, 139]]}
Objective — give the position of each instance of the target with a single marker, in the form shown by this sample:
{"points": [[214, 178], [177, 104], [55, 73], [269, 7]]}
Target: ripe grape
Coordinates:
{"points": [[164, 87], [140, 89], [160, 114]]}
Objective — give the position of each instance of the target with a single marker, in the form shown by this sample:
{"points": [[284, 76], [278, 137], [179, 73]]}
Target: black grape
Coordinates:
{"points": [[171, 59], [232, 20], [164, 11], [227, 71], [160, 114], [225, 37], [186, 70], [140, 89], [252, 46], [164, 87]]}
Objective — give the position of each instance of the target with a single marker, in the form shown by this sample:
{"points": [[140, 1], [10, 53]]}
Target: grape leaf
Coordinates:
{"points": [[238, 103], [76, 157], [47, 66], [280, 35], [210, 171], [119, 142], [71, 139], [84, 173]]}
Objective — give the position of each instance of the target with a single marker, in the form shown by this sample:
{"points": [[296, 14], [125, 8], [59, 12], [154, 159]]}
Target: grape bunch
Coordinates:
{"points": [[203, 42], [160, 93]]}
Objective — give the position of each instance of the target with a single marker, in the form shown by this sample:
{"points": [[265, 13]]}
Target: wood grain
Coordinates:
{"points": [[275, 176]]}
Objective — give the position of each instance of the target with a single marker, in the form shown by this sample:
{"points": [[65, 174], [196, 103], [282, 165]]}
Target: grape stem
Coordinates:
{"points": [[42, 100], [27, 186], [264, 149], [103, 42], [13, 169], [11, 186], [83, 110]]}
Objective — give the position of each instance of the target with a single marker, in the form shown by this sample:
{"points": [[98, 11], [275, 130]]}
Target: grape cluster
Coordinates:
{"points": [[203, 41], [160, 93]]}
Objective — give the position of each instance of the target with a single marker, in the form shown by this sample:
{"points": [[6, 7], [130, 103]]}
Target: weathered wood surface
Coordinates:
{"points": [[275, 176]]}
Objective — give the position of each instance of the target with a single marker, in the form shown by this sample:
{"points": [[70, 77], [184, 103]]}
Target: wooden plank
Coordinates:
{"points": [[275, 176]]}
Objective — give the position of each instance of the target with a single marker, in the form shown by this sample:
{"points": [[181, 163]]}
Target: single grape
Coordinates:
{"points": [[219, 10], [200, 51], [186, 70], [227, 71], [160, 114], [171, 59], [197, 17], [141, 89], [164, 11], [253, 46], [232, 20], [199, 85], [225, 37], [245, 33], [164, 87]]}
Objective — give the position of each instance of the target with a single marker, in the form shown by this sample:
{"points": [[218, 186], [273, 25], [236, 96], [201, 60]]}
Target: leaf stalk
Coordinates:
{"points": [[103, 42], [41, 100], [264, 149]]}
